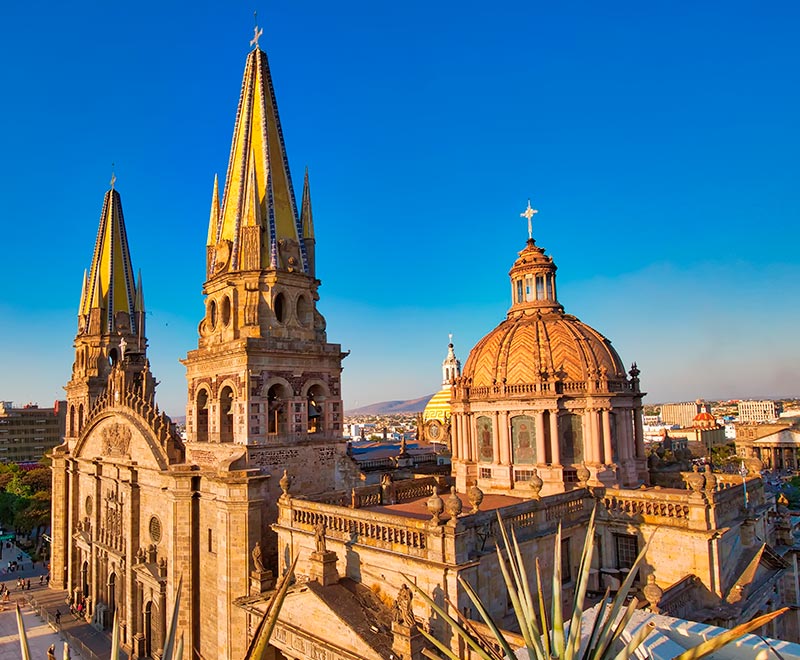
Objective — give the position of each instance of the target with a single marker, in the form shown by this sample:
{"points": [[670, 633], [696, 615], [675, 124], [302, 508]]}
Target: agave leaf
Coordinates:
{"points": [[558, 618], [542, 611], [487, 643], [23, 636], [597, 625], [179, 649], [439, 646], [258, 645], [169, 644], [715, 643], [620, 626], [486, 617], [454, 625], [530, 609], [619, 600], [514, 594], [636, 640], [115, 637], [574, 641]]}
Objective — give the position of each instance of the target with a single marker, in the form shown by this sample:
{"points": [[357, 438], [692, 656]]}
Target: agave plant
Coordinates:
{"points": [[260, 642], [549, 637]]}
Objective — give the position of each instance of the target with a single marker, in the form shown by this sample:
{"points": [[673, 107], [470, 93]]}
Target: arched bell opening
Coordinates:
{"points": [[226, 414]]}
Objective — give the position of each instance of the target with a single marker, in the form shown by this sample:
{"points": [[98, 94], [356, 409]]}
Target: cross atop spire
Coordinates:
{"points": [[529, 213], [257, 31], [113, 177]]}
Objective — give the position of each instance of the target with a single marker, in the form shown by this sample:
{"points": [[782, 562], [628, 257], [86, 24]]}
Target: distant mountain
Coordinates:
{"points": [[393, 407]]}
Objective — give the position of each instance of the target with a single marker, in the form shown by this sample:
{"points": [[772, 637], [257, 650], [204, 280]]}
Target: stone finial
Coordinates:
{"points": [[583, 475], [535, 484], [711, 480], [653, 593], [695, 480], [475, 496], [435, 505], [453, 505], [284, 483]]}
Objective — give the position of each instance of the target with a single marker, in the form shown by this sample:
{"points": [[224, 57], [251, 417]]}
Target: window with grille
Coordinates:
{"points": [[627, 547], [485, 473]]}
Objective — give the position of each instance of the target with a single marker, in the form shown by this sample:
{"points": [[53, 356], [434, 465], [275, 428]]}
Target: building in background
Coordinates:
{"points": [[682, 414], [29, 432], [759, 411]]}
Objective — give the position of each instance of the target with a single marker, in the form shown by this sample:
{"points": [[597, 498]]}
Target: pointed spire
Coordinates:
{"points": [[213, 220], [109, 285], [306, 217], [258, 169], [138, 305], [83, 292]]}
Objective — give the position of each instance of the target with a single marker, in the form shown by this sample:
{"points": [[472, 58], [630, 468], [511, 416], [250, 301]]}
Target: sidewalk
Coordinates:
{"points": [[83, 638], [40, 636]]}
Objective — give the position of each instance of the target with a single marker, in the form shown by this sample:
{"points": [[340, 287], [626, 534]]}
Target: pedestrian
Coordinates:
{"points": [[28, 584], [58, 617]]}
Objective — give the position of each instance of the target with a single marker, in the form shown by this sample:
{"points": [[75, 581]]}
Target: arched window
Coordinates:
{"points": [[80, 417], [72, 420], [201, 417], [316, 409], [571, 429], [485, 439], [226, 415], [523, 440]]}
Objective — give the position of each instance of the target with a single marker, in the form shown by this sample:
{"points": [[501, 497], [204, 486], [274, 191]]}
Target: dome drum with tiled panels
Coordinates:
{"points": [[545, 394]]}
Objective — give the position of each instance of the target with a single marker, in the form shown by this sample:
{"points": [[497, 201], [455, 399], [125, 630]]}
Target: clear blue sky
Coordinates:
{"points": [[659, 142]]}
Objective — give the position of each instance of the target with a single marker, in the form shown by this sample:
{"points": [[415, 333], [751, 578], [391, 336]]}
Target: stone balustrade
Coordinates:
{"points": [[701, 510], [455, 542]]}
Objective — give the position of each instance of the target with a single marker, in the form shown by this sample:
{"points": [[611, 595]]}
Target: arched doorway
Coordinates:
{"points": [[226, 415], [112, 595], [201, 424], [85, 579], [148, 629]]}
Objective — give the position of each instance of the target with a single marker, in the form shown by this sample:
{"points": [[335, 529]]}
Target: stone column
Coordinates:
{"points": [[639, 431], [555, 450], [541, 452], [607, 448], [594, 425], [588, 437], [505, 439], [626, 440]]}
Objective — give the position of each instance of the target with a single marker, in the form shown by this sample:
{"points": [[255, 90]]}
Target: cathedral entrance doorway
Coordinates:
{"points": [[85, 579], [112, 595], [148, 629]]}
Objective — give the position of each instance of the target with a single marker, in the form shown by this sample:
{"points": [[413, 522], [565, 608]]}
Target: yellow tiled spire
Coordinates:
{"points": [[109, 288], [258, 185]]}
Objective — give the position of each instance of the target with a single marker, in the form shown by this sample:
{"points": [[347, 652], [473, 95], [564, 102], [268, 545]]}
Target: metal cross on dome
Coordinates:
{"points": [[257, 31], [529, 213]]}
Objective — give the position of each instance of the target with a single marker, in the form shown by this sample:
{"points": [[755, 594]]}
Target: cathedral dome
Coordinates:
{"points": [[538, 342], [533, 347]]}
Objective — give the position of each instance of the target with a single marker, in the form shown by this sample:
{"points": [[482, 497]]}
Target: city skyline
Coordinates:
{"points": [[657, 147]]}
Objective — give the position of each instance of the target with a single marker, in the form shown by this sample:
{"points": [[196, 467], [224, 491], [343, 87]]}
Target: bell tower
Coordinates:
{"points": [[111, 322], [263, 372]]}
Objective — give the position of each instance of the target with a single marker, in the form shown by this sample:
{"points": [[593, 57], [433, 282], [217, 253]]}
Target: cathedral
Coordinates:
{"points": [[543, 425]]}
